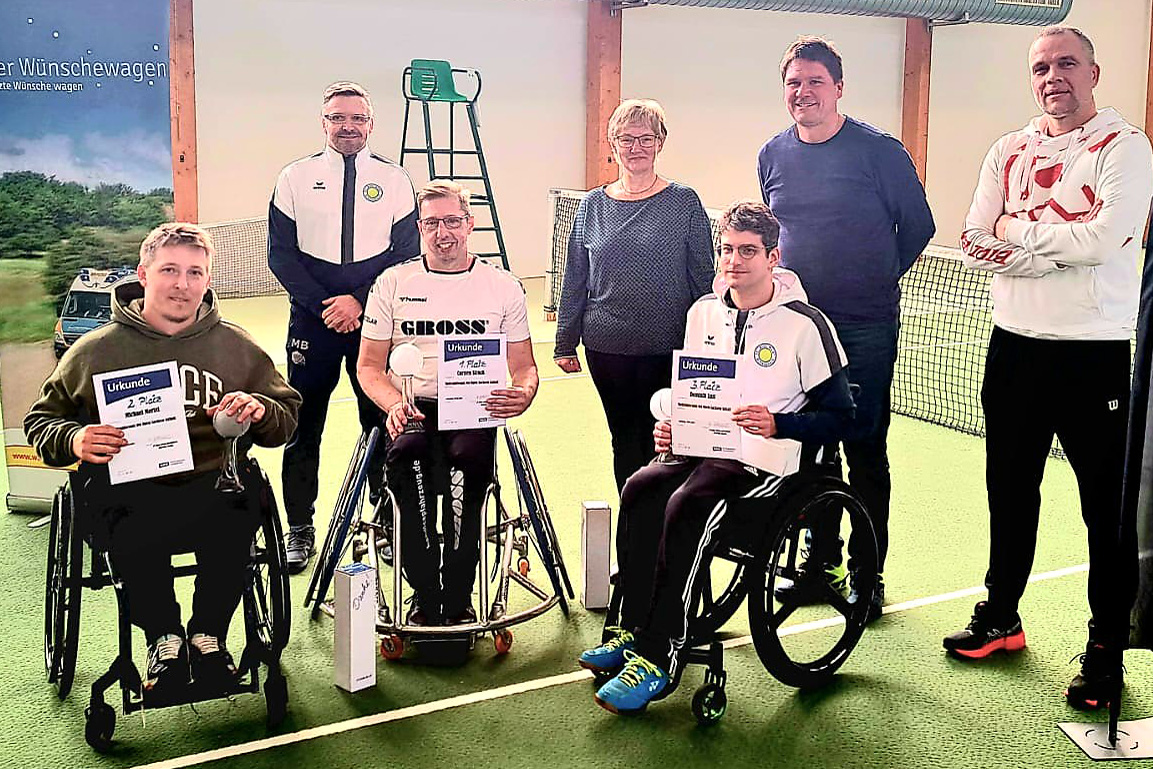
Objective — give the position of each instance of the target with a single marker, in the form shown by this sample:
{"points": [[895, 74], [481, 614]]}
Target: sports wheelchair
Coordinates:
{"points": [[358, 531], [760, 545], [265, 604]]}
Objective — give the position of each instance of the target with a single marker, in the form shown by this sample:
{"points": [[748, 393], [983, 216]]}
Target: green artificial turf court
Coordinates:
{"points": [[898, 700]]}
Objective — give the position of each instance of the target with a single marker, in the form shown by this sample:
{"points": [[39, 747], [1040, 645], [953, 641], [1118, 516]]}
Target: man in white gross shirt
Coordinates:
{"points": [[446, 291], [1058, 216]]}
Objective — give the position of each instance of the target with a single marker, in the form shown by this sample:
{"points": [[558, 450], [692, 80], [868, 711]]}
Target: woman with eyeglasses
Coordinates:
{"points": [[640, 253]]}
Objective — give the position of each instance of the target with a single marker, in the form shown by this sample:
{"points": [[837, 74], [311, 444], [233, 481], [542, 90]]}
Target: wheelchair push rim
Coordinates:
{"points": [[792, 664], [544, 534], [62, 594], [338, 539], [266, 604]]}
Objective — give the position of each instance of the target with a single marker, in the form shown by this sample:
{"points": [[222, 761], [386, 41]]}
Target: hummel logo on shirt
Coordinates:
{"points": [[319, 185]]}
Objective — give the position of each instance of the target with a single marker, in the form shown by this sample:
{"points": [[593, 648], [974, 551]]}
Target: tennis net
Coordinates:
{"points": [[946, 318], [241, 264]]}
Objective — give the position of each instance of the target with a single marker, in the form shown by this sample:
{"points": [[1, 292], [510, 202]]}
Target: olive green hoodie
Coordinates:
{"points": [[213, 356]]}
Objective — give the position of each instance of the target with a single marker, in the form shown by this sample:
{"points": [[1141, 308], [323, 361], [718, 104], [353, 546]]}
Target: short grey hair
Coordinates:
{"points": [[346, 88], [1061, 29]]}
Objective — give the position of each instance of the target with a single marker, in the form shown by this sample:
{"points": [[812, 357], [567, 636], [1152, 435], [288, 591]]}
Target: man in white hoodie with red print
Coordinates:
{"points": [[1057, 216]]}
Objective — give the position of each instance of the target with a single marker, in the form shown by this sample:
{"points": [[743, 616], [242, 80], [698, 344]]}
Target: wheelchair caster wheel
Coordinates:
{"points": [[99, 723], [522, 566], [276, 699], [502, 640], [392, 647], [709, 703]]}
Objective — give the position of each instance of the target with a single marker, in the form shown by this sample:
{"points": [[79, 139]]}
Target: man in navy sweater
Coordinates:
{"points": [[853, 219]]}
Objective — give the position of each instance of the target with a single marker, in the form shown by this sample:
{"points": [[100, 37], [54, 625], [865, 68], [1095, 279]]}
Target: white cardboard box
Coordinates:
{"points": [[596, 553], [354, 626]]}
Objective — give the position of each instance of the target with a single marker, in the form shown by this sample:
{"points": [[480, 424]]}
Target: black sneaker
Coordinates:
{"points": [[813, 583], [985, 635], [211, 662], [1100, 678], [467, 616], [299, 546], [167, 664], [875, 606], [421, 614]]}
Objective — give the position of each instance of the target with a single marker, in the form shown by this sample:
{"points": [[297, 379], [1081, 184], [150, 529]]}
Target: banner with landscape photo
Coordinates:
{"points": [[85, 172]]}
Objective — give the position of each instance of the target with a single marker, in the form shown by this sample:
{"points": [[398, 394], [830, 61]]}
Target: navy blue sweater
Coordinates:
{"points": [[853, 217]]}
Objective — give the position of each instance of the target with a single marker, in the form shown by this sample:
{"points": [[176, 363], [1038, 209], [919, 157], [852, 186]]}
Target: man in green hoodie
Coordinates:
{"points": [[170, 315]]}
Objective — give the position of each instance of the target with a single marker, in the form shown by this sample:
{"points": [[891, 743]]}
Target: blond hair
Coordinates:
{"points": [[176, 234], [443, 188], [644, 111]]}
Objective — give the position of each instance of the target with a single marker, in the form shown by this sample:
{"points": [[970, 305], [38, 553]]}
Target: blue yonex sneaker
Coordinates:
{"points": [[634, 687], [609, 657]]}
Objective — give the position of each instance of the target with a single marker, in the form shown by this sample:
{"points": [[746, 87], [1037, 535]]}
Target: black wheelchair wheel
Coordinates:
{"points": [[544, 534], [51, 595], [709, 704], [347, 509], [268, 617], [62, 592], [830, 630], [99, 723]]}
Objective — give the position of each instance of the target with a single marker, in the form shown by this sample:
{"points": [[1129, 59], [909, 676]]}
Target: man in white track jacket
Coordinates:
{"points": [[1058, 216]]}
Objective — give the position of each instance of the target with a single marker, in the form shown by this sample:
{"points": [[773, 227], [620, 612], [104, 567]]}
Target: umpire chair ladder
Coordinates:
{"points": [[430, 81]]}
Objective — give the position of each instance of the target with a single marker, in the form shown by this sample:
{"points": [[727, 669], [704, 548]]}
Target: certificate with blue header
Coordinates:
{"points": [[705, 392], [147, 403], [468, 370]]}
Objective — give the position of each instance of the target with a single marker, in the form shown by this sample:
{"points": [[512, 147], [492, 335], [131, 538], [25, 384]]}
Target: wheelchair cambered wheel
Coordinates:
{"points": [[832, 628]]}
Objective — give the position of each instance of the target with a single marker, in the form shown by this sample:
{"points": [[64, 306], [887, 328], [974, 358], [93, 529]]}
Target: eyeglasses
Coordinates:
{"points": [[450, 222], [648, 141], [747, 251], [338, 119]]}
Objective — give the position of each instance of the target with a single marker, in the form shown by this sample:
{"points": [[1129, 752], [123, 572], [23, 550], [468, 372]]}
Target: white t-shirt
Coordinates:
{"points": [[411, 303]]}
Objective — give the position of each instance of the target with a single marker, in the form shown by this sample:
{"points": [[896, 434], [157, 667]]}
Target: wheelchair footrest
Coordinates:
{"points": [[192, 693]]}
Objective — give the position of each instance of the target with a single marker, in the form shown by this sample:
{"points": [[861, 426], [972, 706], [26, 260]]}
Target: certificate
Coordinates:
{"points": [[468, 369], [705, 392], [147, 403]]}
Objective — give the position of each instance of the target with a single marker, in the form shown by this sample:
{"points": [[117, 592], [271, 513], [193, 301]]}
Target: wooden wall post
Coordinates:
{"points": [[1149, 84], [602, 89], [915, 94], [182, 101]]}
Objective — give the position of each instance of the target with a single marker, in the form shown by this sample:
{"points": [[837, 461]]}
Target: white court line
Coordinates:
{"points": [[438, 706]]}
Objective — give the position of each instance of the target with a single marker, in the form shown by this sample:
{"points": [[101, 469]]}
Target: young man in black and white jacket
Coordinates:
{"points": [[792, 370]]}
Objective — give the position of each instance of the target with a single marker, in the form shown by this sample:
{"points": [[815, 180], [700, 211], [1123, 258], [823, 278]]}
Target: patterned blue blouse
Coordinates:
{"points": [[634, 267]]}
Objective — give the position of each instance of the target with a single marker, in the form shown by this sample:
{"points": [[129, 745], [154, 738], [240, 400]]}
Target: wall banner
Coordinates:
{"points": [[85, 172]]}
